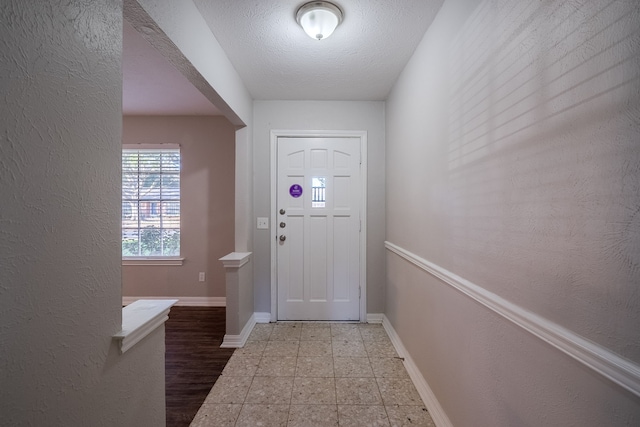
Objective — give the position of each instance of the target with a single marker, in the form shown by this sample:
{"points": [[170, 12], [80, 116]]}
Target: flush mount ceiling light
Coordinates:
{"points": [[319, 18]]}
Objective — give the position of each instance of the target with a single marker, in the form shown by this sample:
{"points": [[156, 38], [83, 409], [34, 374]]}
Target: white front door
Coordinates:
{"points": [[318, 228]]}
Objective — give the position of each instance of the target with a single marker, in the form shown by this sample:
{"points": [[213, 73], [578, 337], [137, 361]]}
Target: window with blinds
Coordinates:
{"points": [[151, 201]]}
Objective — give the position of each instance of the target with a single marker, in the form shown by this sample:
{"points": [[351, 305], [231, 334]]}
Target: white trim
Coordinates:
{"points": [[428, 397], [235, 259], [362, 135], [238, 341], [262, 317], [141, 318], [272, 214], [183, 301], [594, 356], [375, 317], [152, 261]]}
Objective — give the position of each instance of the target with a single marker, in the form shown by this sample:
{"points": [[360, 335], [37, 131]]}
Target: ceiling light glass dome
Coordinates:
{"points": [[319, 18]]}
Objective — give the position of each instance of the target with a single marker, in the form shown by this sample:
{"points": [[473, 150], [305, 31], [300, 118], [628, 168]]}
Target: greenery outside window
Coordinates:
{"points": [[150, 201]]}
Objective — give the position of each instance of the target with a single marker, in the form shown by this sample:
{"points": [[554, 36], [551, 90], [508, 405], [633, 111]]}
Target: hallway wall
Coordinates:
{"points": [[60, 285], [207, 147], [320, 115], [513, 162]]}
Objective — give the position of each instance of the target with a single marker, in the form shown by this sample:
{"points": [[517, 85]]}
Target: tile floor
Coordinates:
{"points": [[314, 374]]}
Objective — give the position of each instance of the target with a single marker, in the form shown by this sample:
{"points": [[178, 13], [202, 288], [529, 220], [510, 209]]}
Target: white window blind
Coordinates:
{"points": [[151, 200]]}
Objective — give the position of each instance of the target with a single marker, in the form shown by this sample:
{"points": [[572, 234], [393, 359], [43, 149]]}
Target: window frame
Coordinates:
{"points": [[155, 259]]}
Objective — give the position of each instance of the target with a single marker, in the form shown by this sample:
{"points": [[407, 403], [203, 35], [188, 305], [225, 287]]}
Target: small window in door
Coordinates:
{"points": [[318, 191]]}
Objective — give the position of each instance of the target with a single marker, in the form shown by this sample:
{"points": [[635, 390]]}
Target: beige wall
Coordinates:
{"points": [[513, 162], [207, 146]]}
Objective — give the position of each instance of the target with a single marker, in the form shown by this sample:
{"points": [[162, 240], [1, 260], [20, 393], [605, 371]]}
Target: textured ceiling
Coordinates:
{"points": [[278, 61]]}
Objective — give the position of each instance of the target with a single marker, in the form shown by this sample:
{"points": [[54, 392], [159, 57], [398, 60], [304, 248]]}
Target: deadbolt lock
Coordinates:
{"points": [[282, 211], [283, 225]]}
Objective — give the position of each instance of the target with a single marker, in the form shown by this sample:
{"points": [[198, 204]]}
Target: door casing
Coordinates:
{"points": [[362, 136]]}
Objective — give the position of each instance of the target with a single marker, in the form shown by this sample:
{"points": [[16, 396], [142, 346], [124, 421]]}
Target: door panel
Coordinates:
{"points": [[318, 250]]}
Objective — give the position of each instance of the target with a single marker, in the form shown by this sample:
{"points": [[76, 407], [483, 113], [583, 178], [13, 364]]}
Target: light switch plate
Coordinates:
{"points": [[263, 223]]}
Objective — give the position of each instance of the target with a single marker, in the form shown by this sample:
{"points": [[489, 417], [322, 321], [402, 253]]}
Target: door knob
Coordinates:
{"points": [[283, 238], [282, 211]]}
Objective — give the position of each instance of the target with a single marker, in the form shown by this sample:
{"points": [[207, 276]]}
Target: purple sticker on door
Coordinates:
{"points": [[295, 190]]}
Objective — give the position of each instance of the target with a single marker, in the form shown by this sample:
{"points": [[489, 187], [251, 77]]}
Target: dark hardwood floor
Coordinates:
{"points": [[194, 359]]}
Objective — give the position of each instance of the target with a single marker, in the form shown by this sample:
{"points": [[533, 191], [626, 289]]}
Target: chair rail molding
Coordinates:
{"points": [[605, 362]]}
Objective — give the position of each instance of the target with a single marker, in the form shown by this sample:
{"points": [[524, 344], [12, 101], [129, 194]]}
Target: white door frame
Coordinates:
{"points": [[362, 135]]}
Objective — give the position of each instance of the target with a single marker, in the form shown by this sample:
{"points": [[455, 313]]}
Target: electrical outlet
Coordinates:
{"points": [[201, 276], [263, 223]]}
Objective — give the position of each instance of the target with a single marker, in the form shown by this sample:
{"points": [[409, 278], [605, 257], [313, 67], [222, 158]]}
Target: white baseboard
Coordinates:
{"points": [[262, 317], [428, 397], [185, 301], [596, 357], [238, 341], [375, 317]]}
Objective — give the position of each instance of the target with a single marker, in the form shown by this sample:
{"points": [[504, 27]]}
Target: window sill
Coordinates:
{"points": [[152, 261]]}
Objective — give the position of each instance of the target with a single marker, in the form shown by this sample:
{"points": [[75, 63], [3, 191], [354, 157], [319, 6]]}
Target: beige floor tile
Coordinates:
{"points": [[388, 367], [240, 366], [288, 324], [314, 391], [354, 367], [398, 391], [281, 348], [263, 415], [314, 374], [343, 327], [216, 415], [251, 349], [315, 367], [261, 332], [409, 416], [348, 348], [313, 416], [370, 326], [315, 348], [380, 349], [283, 366], [362, 415], [270, 390], [357, 391], [373, 333], [315, 334], [286, 333], [229, 390], [348, 332], [321, 325]]}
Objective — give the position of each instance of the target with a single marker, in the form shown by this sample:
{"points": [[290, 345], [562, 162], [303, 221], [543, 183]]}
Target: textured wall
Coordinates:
{"points": [[513, 160], [60, 296], [320, 115], [207, 147]]}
